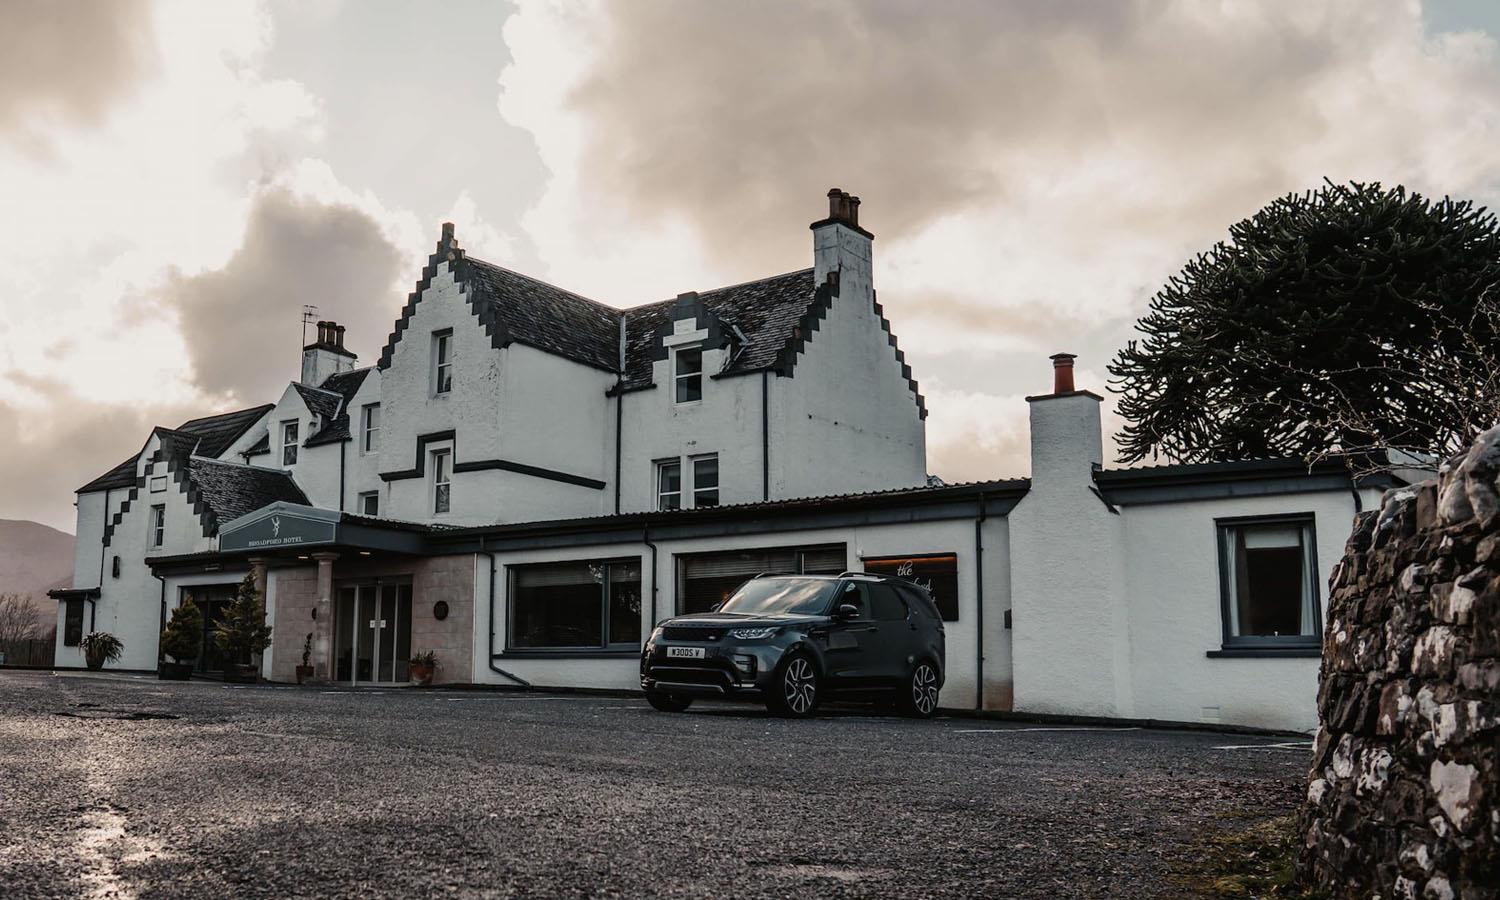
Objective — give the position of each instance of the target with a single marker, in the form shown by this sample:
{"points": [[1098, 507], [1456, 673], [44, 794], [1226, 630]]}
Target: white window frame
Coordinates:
{"points": [[289, 449], [158, 526], [658, 469], [368, 495], [693, 462], [369, 428], [442, 362], [442, 481], [679, 377]]}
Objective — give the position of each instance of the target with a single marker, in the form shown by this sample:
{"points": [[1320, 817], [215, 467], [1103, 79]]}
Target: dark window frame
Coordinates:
{"points": [[368, 495], [693, 462], [72, 622], [680, 562], [605, 647], [442, 478], [1288, 643]]}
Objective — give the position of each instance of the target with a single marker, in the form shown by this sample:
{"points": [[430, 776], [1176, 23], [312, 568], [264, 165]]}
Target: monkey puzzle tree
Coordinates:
{"points": [[1351, 318]]}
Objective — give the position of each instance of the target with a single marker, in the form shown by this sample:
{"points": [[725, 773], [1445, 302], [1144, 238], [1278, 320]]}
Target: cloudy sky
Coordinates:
{"points": [[178, 178]]}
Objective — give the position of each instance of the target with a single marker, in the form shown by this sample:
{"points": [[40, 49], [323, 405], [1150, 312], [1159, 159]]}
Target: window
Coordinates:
{"points": [[706, 481], [369, 503], [442, 362], [72, 622], [158, 524], [289, 443], [1268, 575], [937, 572], [687, 375], [441, 476], [705, 580], [369, 427], [669, 484], [886, 605], [591, 605]]}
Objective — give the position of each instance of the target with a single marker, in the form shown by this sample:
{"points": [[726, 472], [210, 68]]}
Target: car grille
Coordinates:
{"points": [[692, 633]]}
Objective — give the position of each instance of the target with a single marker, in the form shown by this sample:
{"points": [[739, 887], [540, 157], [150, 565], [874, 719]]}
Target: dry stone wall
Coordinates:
{"points": [[1403, 798]]}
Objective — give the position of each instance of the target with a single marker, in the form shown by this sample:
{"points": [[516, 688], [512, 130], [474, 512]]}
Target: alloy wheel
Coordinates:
{"points": [[924, 689], [800, 686]]}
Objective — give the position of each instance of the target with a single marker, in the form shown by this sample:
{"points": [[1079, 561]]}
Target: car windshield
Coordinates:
{"points": [[767, 596]]}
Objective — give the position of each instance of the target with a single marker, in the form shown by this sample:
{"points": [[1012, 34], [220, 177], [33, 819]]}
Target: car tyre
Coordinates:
{"points": [[797, 690], [920, 698], [668, 702]]}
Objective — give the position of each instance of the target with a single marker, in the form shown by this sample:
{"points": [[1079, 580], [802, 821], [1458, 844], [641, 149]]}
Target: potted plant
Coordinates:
{"points": [[242, 633], [305, 671], [100, 647], [180, 641], [423, 665]]}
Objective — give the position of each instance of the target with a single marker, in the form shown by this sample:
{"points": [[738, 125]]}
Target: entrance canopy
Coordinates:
{"points": [[292, 526]]}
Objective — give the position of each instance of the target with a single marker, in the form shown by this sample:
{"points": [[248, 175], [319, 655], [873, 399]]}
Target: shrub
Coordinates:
{"points": [[100, 647], [184, 632], [243, 630]]}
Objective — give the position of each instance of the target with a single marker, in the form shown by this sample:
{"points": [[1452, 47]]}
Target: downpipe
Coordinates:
{"points": [[646, 539], [979, 605], [494, 668]]}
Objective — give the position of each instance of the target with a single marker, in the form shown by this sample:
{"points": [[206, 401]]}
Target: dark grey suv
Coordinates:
{"points": [[791, 640]]}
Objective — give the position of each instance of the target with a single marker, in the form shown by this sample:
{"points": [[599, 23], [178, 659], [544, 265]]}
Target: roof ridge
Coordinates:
{"points": [[235, 412]]}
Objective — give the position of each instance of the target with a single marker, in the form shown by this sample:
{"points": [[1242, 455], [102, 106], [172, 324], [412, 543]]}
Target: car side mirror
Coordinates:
{"points": [[848, 611]]}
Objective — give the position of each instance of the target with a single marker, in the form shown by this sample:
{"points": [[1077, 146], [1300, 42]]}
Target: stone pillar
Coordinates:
{"points": [[322, 659], [258, 569]]}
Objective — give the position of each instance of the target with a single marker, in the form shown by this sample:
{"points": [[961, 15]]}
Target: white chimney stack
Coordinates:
{"points": [[326, 356]]}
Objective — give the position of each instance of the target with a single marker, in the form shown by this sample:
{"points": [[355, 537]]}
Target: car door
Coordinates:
{"points": [[850, 641], [891, 644]]}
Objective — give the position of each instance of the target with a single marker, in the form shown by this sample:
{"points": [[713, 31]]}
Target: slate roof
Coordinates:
{"points": [[230, 490], [764, 312], [548, 318], [321, 403], [336, 428], [211, 434]]}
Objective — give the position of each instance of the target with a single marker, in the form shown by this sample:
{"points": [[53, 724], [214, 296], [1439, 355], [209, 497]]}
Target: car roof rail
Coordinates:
{"points": [[853, 574]]}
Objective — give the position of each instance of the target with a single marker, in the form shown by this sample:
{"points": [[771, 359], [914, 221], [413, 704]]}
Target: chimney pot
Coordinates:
{"points": [[338, 336], [834, 197], [853, 210], [1062, 373]]}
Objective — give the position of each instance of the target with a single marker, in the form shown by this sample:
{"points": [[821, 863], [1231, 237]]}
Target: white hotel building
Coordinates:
{"points": [[527, 480]]}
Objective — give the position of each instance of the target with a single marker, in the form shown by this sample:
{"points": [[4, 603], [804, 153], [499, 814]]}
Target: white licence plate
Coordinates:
{"points": [[684, 652]]}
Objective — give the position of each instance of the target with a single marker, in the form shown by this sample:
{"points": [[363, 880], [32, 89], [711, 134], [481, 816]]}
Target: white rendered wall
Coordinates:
{"points": [[129, 607], [1070, 634], [361, 469], [727, 422], [847, 419], [949, 536], [1172, 585]]}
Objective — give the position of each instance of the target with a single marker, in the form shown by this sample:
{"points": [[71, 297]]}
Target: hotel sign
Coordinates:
{"points": [[277, 526]]}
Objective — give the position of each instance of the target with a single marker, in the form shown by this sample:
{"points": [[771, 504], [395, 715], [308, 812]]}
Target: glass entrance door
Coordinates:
{"points": [[373, 632]]}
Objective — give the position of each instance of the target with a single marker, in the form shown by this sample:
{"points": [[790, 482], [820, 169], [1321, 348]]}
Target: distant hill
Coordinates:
{"points": [[34, 558]]}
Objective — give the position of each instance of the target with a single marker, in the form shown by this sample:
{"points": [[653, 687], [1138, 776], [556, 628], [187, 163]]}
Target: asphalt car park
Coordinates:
{"points": [[118, 786]]}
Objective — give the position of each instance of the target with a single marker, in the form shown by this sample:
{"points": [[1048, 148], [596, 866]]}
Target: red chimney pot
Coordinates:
{"points": [[1062, 373]]}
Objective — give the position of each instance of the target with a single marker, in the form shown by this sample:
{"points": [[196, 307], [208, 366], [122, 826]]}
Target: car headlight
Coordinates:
{"points": [[751, 634]]}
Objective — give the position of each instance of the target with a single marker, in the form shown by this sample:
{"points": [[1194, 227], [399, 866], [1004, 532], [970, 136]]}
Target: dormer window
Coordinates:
{"points": [[289, 434], [442, 362], [687, 374]]}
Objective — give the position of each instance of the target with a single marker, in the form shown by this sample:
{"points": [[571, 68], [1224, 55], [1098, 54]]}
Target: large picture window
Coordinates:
{"points": [[1268, 572], [938, 572], [588, 605], [705, 580]]}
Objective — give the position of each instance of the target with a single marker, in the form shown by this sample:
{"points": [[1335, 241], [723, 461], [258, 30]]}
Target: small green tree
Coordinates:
{"points": [[184, 631], [243, 630]]}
